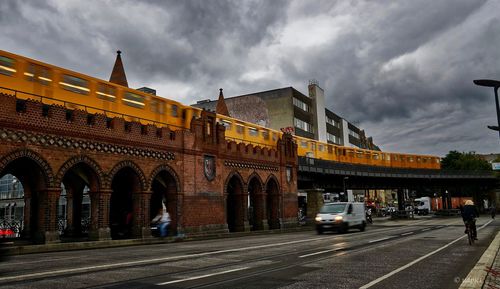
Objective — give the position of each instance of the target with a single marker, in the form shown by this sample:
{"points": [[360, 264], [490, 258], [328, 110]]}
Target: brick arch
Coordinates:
{"points": [[272, 177], [259, 179], [232, 174], [124, 164], [170, 170], [81, 159], [46, 169]]}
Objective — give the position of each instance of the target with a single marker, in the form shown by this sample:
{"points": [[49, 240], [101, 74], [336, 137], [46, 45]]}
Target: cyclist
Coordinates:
{"points": [[469, 215]]}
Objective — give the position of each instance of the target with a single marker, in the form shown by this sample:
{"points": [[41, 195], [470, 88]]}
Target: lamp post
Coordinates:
{"points": [[495, 84]]}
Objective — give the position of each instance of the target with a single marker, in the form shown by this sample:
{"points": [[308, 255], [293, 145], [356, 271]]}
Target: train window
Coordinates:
{"points": [[157, 106], [265, 134], [226, 124], [410, 159], [395, 158], [252, 131], [275, 136], [38, 73], [239, 128], [313, 146], [419, 160], [320, 147], [175, 110], [134, 100], [303, 144], [359, 155], [7, 66], [330, 149], [75, 84], [375, 156], [106, 92]]}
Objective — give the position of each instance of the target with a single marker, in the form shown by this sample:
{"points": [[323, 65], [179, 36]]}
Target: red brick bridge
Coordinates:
{"points": [[209, 185]]}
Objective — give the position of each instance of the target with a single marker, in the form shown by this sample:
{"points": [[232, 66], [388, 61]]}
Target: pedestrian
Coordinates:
{"points": [[162, 220], [493, 211]]}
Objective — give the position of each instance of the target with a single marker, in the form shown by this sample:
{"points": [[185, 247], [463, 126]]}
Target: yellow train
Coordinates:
{"points": [[31, 79]]}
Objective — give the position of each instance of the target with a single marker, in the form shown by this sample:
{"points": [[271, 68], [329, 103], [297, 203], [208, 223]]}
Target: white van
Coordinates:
{"points": [[341, 217]]}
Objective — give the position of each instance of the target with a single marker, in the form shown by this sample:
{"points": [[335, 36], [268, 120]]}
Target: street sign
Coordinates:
{"points": [[495, 166]]}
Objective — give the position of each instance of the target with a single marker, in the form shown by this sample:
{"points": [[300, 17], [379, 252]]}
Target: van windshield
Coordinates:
{"points": [[332, 209]]}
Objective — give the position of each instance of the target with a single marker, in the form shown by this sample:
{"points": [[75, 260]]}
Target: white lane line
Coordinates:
{"points": [[415, 261], [321, 252], [202, 276], [423, 230], [405, 234], [149, 261], [378, 240]]}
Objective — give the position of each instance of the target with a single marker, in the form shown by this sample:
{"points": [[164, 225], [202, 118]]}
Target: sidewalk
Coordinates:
{"points": [[486, 273]]}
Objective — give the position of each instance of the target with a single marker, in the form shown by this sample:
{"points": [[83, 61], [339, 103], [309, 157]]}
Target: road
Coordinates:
{"points": [[424, 253]]}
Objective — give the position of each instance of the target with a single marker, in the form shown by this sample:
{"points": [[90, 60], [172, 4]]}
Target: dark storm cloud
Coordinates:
{"points": [[403, 70]]}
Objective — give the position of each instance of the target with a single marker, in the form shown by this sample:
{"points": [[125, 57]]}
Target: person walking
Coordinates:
{"points": [[492, 211], [162, 220]]}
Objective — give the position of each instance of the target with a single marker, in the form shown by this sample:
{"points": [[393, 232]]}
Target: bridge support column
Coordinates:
{"points": [[260, 212], [47, 216], [99, 215], [141, 219], [314, 202]]}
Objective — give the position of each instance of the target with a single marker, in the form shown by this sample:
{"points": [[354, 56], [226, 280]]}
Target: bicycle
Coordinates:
{"points": [[469, 231]]}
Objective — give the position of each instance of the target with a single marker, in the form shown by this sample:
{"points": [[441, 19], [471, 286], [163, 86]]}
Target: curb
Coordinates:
{"points": [[477, 276]]}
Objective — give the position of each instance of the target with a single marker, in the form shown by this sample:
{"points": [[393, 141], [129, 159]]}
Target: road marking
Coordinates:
{"points": [[321, 252], [415, 261], [149, 261], [202, 276], [423, 230], [378, 240], [405, 234]]}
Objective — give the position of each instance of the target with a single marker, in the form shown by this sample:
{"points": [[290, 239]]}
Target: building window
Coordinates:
{"points": [[354, 134], [332, 138], [302, 125], [332, 122], [300, 104]]}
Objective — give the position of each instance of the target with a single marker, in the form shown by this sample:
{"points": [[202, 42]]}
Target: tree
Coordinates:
{"points": [[464, 161]]}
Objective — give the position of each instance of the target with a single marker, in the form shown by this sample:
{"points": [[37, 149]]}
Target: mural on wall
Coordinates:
{"points": [[251, 108]]}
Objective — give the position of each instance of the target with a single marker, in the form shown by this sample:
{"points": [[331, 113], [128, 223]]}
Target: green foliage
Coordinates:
{"points": [[464, 161]]}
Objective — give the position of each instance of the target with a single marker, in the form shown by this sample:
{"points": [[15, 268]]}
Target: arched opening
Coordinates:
{"points": [[74, 202], [22, 181], [235, 205], [125, 183], [164, 187], [256, 206], [11, 207], [273, 204]]}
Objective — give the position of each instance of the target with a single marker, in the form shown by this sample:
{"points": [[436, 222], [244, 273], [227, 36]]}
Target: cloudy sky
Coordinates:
{"points": [[402, 70]]}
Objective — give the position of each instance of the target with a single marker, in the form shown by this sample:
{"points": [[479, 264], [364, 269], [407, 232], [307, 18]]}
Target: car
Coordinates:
{"points": [[341, 217]]}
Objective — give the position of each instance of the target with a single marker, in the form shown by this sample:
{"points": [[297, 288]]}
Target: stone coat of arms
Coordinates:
{"points": [[209, 167]]}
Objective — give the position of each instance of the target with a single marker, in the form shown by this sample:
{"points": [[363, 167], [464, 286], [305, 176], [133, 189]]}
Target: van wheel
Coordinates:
{"points": [[362, 227]]}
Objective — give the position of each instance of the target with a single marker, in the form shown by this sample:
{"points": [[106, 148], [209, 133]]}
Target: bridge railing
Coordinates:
{"points": [[325, 166]]}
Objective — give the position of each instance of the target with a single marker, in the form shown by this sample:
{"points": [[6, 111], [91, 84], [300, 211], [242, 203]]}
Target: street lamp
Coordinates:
{"points": [[495, 84]]}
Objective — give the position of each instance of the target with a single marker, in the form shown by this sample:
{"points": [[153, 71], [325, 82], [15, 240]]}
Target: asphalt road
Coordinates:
{"points": [[425, 253]]}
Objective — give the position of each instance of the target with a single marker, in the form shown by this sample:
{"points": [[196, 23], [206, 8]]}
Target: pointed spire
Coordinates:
{"points": [[118, 75], [221, 105]]}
